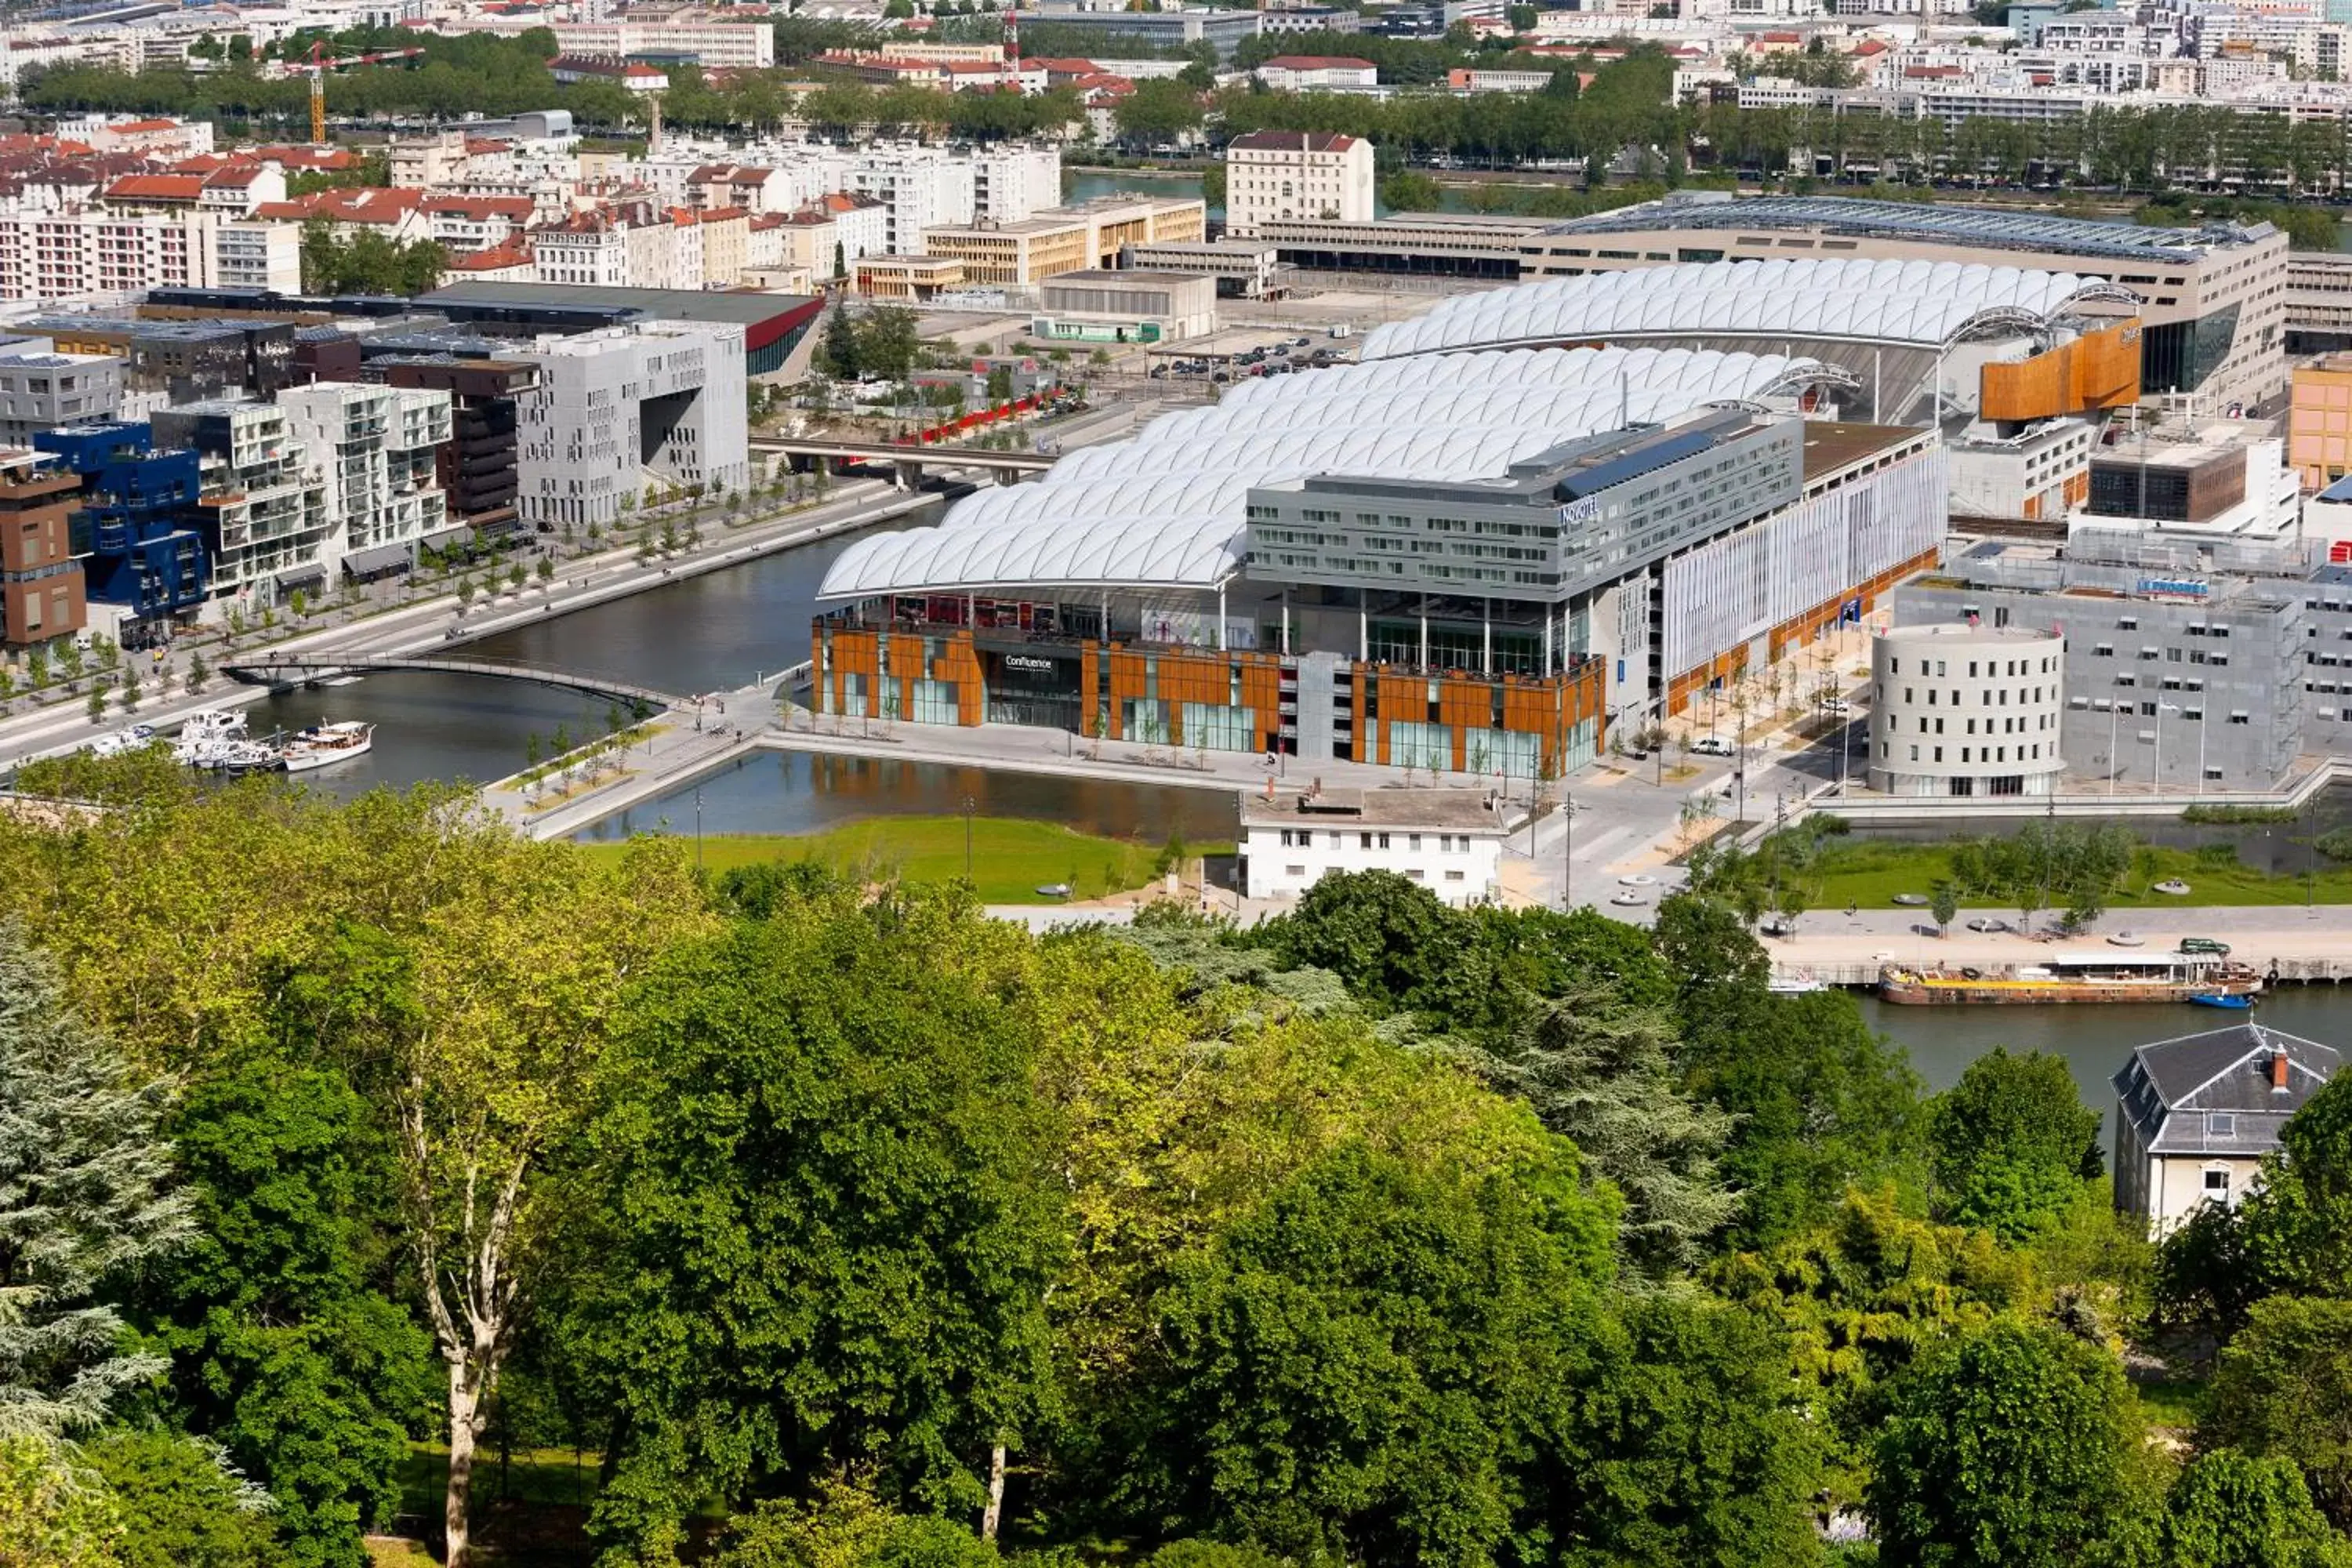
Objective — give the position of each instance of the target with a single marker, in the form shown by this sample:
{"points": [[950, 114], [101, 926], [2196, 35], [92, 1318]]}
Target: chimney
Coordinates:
{"points": [[2278, 1071]]}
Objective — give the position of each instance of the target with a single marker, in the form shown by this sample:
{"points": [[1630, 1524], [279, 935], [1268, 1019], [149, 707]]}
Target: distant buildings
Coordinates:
{"points": [[1448, 840], [1286, 175]]}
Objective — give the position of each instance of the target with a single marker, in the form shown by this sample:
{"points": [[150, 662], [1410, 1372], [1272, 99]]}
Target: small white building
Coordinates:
{"points": [[1448, 840], [2194, 1116], [1319, 73]]}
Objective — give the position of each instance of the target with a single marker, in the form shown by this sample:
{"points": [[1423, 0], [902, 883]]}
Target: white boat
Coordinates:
{"points": [[115, 742], [205, 735], [244, 757], [1779, 986], [320, 744]]}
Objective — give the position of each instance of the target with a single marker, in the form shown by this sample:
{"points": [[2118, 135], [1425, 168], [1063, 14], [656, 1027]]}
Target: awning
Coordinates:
{"points": [[382, 558], [311, 576], [448, 538]]}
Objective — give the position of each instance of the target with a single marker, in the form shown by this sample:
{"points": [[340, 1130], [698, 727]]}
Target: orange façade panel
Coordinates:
{"points": [[2098, 370]]}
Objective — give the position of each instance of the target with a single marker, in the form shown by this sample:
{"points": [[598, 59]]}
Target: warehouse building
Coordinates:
{"points": [[1469, 563]]}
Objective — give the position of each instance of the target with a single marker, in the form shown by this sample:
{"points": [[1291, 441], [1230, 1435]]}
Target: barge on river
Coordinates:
{"points": [[2073, 977]]}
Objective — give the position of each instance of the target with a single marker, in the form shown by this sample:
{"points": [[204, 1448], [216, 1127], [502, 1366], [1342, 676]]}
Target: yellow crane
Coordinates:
{"points": [[317, 95]]}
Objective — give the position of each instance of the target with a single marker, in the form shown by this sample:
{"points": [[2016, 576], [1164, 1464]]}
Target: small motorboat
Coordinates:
{"points": [[2222, 999], [122, 741], [324, 743], [205, 735], [244, 757]]}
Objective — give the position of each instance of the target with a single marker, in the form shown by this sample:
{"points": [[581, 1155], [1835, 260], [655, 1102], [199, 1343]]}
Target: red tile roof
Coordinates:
{"points": [[156, 188]]}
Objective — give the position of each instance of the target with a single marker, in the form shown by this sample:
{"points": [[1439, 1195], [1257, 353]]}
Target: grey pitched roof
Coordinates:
{"points": [[2173, 1091]]}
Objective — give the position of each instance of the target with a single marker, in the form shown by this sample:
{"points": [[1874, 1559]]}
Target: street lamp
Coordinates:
{"points": [[969, 807], [1568, 852], [2156, 786]]}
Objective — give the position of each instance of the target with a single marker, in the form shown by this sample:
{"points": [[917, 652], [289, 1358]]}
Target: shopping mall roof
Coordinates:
{"points": [[1165, 508], [1924, 222], [1895, 305]]}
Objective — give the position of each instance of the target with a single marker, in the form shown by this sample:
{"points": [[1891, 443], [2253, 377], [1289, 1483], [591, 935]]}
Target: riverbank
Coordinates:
{"points": [[1009, 857], [1873, 873]]}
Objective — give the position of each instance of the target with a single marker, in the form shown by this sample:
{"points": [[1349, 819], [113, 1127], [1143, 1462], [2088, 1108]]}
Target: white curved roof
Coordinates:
{"points": [[1165, 507], [1910, 303]]}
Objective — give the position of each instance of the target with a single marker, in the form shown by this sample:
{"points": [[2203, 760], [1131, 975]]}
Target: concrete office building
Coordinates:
{"points": [[2186, 662], [1473, 562], [1222, 30], [1126, 306], [623, 410], [42, 390], [1313, 176], [1963, 709], [2212, 302]]}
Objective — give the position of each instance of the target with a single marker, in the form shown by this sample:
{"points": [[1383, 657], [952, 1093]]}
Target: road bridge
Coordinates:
{"points": [[908, 462], [303, 668]]}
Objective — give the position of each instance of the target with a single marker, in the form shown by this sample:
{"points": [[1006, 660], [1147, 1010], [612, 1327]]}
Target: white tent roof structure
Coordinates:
{"points": [[1897, 304], [1164, 508]]}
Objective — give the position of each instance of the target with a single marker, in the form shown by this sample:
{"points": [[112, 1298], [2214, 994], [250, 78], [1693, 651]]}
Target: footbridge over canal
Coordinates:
{"points": [[306, 669]]}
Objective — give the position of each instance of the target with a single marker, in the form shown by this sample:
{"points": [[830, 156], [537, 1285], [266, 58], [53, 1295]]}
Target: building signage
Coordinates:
{"points": [[1586, 509], [2178, 588], [1031, 666]]}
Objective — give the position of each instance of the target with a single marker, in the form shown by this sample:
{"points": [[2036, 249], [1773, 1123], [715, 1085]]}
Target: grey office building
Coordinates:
{"points": [[2187, 661], [42, 390]]}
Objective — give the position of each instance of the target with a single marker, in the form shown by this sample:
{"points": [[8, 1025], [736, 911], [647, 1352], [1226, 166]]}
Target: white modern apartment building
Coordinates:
{"points": [[86, 251], [623, 410], [1312, 175], [1963, 709], [1012, 184], [367, 457], [919, 189]]}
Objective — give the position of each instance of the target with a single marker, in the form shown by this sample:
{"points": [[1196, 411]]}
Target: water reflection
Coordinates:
{"points": [[801, 791]]}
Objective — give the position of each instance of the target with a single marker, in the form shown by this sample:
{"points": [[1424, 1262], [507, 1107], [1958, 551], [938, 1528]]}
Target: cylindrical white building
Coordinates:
{"points": [[1966, 711]]}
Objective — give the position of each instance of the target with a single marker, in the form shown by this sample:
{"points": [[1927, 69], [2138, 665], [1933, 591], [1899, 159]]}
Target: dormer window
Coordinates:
{"points": [[2221, 1125]]}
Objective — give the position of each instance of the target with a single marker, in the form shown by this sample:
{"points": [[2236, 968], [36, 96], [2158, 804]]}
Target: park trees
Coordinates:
{"points": [[2297, 1221], [836, 1232], [2228, 1510], [2284, 1388], [2015, 1448], [2011, 1143], [85, 1201]]}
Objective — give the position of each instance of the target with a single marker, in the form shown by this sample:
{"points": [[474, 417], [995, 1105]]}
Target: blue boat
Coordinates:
{"points": [[2222, 999]]}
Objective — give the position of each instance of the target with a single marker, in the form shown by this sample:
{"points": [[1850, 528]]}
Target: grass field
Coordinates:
{"points": [[1871, 872], [1011, 857]]}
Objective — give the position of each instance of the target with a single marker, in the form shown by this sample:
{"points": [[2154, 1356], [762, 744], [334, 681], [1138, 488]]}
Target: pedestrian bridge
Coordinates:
{"points": [[910, 461], [304, 669]]}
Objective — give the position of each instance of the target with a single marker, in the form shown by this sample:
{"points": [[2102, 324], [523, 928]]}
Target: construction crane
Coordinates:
{"points": [[318, 94]]}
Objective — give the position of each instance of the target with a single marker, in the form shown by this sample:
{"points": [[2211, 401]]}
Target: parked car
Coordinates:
{"points": [[1713, 746], [1300, 343], [1836, 707], [2205, 945]]}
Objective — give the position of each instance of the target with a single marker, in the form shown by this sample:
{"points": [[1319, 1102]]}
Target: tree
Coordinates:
{"points": [[285, 1351], [1388, 939], [2010, 1144], [1599, 1073], [2227, 1511], [2297, 1222], [177, 1509], [838, 349], [546, 571], [887, 342], [84, 1203], [53, 1512], [856, 1269], [2282, 1388], [97, 703], [1358, 1360], [1819, 1104], [1943, 904], [844, 1526], [1706, 943], [2015, 1448]]}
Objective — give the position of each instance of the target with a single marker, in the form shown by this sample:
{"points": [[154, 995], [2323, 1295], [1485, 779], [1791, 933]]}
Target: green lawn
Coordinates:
{"points": [[1011, 857], [1870, 872]]}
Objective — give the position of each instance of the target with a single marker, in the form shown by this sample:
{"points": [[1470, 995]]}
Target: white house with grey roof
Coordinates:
{"points": [[2194, 1116]]}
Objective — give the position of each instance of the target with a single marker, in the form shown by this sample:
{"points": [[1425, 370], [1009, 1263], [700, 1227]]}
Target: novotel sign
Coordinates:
{"points": [[2182, 588]]}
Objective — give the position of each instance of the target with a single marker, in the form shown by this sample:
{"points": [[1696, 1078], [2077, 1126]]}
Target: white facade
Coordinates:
{"points": [[369, 461], [731, 46], [918, 190], [1272, 174], [62, 255], [1015, 183], [1966, 711], [624, 410], [1448, 840]]}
